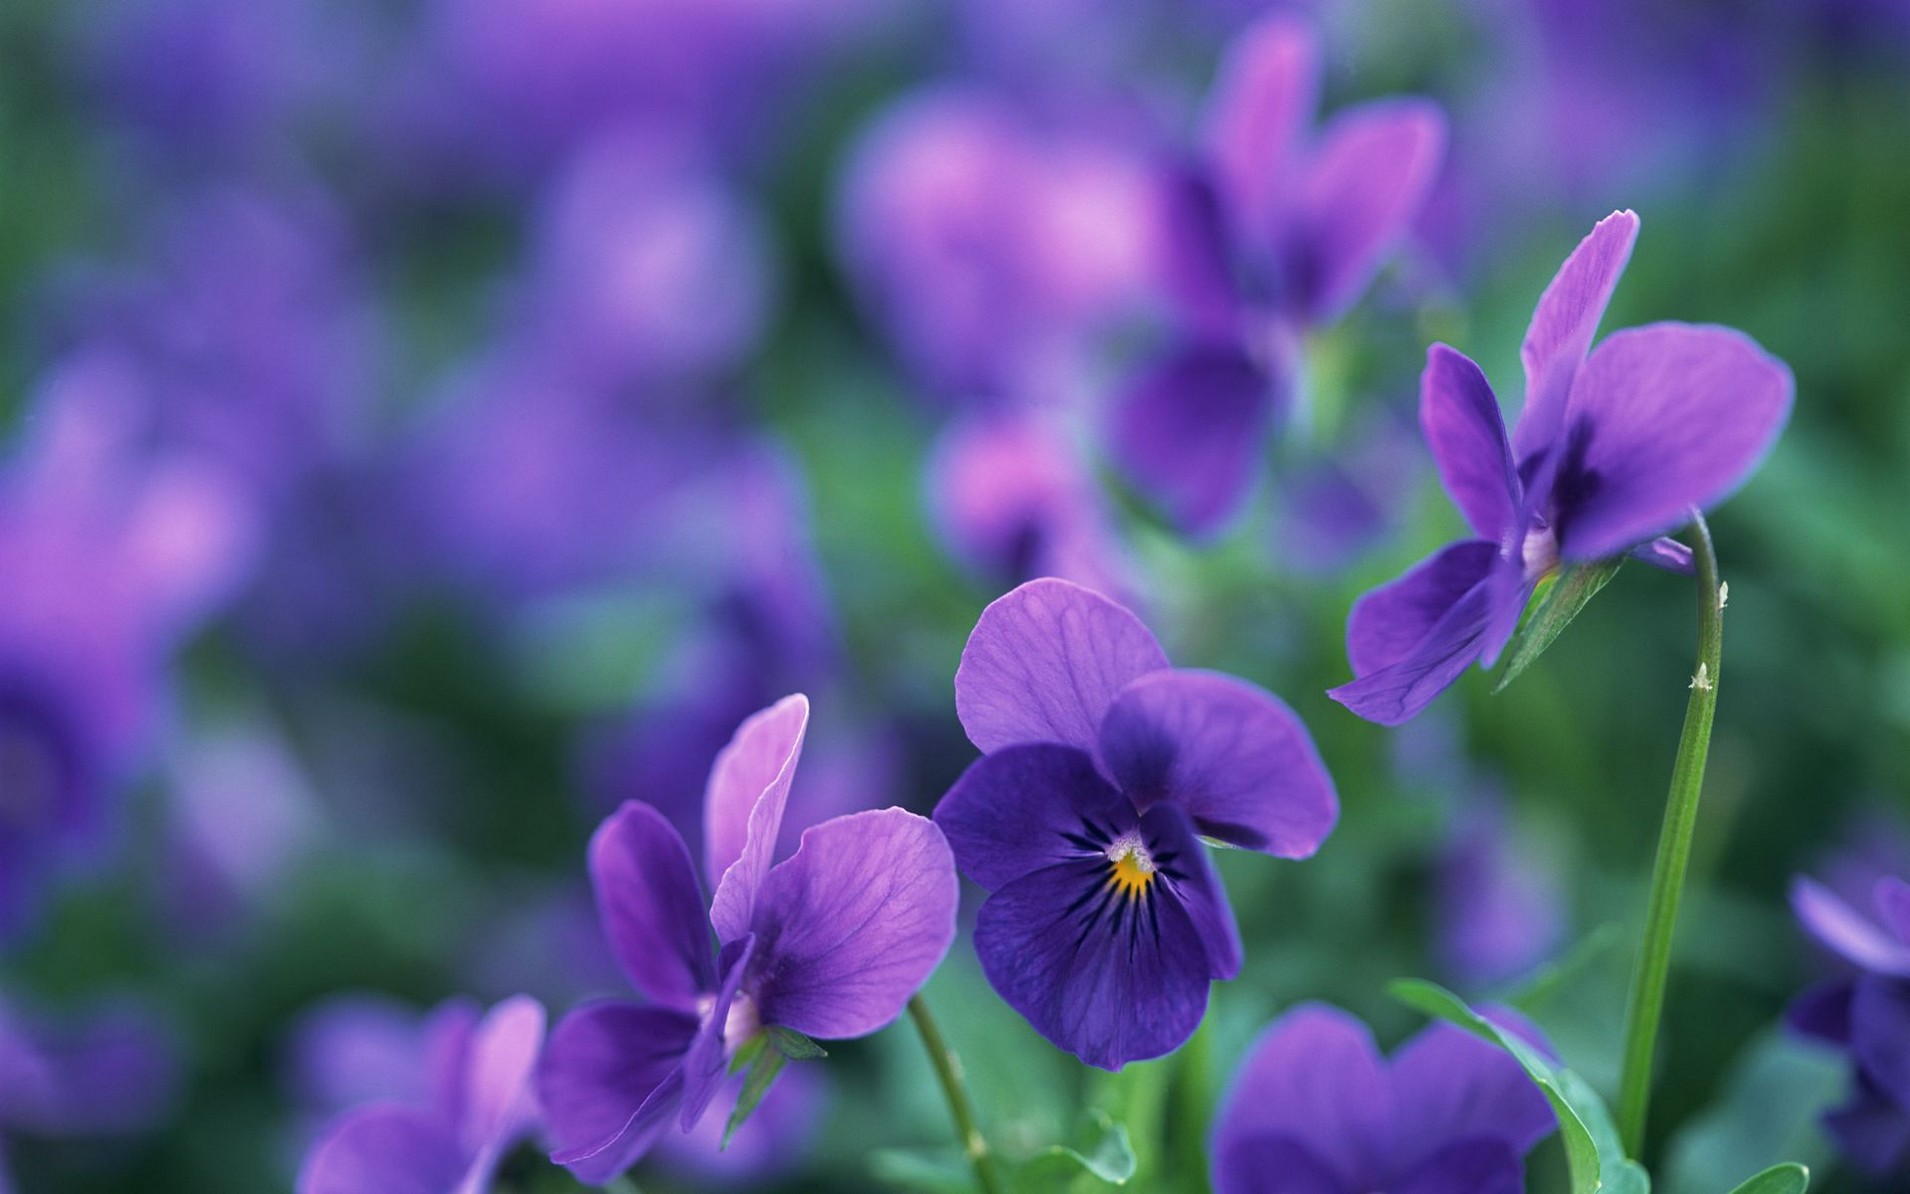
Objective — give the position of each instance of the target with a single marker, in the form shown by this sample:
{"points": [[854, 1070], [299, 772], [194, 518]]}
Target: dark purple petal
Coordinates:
{"points": [[1314, 1076], [743, 810], [1396, 693], [1273, 1165], [1466, 432], [1190, 431], [1230, 754], [1013, 811], [1880, 1033], [1262, 101], [1388, 623], [1845, 932], [1106, 979], [1190, 876], [1364, 186], [854, 923], [1823, 1011], [1043, 663], [651, 908], [1672, 416], [384, 1149], [498, 1105], [1452, 1086], [1871, 1129], [707, 1060], [1666, 553], [1563, 325], [1196, 253], [1892, 896], [609, 1079], [1481, 1165]]}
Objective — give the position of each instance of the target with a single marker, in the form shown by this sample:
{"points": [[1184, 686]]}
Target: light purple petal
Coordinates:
{"points": [[610, 1077], [1666, 553], [1452, 1086], [651, 909], [1229, 753], [1466, 433], [1314, 1076], [1674, 416], [1011, 812], [384, 1149], [1892, 897], [1388, 623], [498, 1106], [445, 1053], [743, 809], [1478, 1165], [1263, 99], [1846, 932], [1043, 663], [1273, 1165], [854, 923], [1190, 431], [1880, 1034], [1563, 325], [707, 1061], [1365, 184]]}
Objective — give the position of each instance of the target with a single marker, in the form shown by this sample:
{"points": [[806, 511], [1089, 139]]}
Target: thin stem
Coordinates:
{"points": [[1647, 1001], [949, 1070]]}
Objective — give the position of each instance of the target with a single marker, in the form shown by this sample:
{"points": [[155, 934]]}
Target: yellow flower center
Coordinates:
{"points": [[1133, 867]]}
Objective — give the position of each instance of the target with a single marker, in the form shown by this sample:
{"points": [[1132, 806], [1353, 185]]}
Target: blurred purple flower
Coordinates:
{"points": [[773, 1141], [360, 1048], [1614, 447], [990, 248], [1105, 921], [1316, 1109], [1335, 509], [1866, 1015], [831, 943], [1270, 233], [477, 1105], [1498, 908]]}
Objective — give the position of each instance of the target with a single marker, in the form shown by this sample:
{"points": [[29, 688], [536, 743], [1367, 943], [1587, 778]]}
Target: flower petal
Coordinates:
{"points": [[1672, 416], [1273, 1165], [1190, 431], [1466, 432], [384, 1149], [610, 1077], [504, 1051], [1563, 325], [1453, 1086], [707, 1061], [1823, 1011], [1479, 1165], [854, 923], [1845, 932], [743, 808], [1192, 879], [1388, 623], [1104, 985], [1892, 896], [1011, 812], [1871, 1129], [1397, 692], [1314, 1075], [1043, 663], [1667, 553], [1196, 251], [1229, 753], [1263, 99], [1366, 183], [1880, 1033], [651, 908]]}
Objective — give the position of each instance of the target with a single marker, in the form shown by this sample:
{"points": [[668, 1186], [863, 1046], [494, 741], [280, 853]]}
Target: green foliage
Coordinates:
{"points": [[1568, 594], [1778, 1179]]}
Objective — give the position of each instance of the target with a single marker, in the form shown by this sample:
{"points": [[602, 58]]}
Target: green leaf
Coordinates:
{"points": [[1789, 1178], [1539, 989], [1575, 586], [768, 1064], [1592, 1151], [1109, 1161], [794, 1045], [1766, 1111], [747, 1055]]}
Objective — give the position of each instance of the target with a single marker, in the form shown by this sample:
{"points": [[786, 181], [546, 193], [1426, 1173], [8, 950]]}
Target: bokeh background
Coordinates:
{"points": [[426, 425]]}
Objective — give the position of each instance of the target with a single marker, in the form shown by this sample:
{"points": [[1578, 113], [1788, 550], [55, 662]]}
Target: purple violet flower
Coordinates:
{"points": [[831, 943], [1615, 447], [1866, 1015], [479, 1106], [1498, 908], [1315, 1109], [1269, 234], [1105, 921]]}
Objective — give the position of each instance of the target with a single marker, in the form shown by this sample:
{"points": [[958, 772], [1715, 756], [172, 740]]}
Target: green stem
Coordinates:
{"points": [[1647, 1001], [949, 1070]]}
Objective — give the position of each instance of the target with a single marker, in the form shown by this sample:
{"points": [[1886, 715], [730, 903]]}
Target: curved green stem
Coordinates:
{"points": [[949, 1070], [1647, 1001]]}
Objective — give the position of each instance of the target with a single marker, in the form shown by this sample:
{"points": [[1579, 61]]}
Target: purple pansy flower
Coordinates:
{"points": [[1105, 921], [1614, 447], [478, 1105], [1315, 1109], [1269, 234], [1867, 1015], [831, 943]]}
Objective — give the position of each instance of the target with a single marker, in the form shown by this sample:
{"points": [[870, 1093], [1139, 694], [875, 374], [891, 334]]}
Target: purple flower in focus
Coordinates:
{"points": [[1105, 921], [831, 943], [1269, 234], [1867, 1015], [1315, 1109], [478, 1105], [1614, 447]]}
